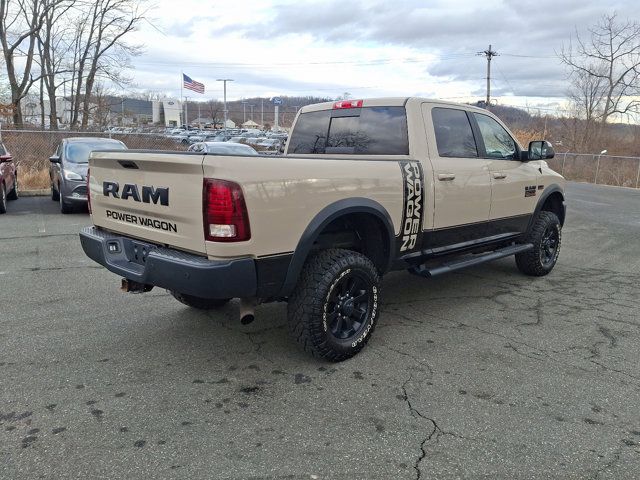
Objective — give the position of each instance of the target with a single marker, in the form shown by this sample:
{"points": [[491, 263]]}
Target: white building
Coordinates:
{"points": [[167, 112]]}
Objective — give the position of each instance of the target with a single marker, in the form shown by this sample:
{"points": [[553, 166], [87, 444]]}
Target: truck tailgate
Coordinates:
{"points": [[154, 196]]}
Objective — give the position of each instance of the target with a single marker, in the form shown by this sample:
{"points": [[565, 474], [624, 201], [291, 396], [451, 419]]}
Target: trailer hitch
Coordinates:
{"points": [[131, 286]]}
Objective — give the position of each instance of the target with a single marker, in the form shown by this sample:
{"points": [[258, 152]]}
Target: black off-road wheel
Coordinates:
{"points": [[334, 308], [198, 302], [546, 237], [64, 206], [3, 198], [13, 195], [55, 194]]}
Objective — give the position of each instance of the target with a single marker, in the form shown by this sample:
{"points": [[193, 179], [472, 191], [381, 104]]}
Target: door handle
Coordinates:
{"points": [[443, 177], [499, 175]]}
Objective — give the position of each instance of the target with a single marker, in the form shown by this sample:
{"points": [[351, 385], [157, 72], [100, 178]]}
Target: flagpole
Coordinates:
{"points": [[181, 85]]}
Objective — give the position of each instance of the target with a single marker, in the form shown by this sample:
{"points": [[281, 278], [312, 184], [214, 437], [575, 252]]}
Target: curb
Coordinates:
{"points": [[35, 193], [636, 189]]}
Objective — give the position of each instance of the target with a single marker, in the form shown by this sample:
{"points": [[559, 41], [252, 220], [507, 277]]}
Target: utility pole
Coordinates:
{"points": [[251, 105], [225, 80], [262, 112], [489, 54], [244, 111]]}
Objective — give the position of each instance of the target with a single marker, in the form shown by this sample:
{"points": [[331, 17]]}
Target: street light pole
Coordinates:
{"points": [[225, 80]]}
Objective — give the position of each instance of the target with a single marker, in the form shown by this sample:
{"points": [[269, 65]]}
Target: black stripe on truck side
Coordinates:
{"points": [[410, 238]]}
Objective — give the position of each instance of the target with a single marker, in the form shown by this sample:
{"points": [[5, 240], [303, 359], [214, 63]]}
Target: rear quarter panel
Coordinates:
{"points": [[283, 195]]}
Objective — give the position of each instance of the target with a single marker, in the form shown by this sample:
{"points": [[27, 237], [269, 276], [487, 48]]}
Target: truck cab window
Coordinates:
{"points": [[454, 136], [358, 131], [497, 142], [310, 133]]}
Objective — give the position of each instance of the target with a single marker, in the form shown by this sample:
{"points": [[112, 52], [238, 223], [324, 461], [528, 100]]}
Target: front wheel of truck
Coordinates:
{"points": [[198, 302], [546, 237], [334, 308]]}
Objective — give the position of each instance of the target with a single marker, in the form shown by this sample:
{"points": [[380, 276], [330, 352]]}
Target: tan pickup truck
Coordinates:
{"points": [[364, 187]]}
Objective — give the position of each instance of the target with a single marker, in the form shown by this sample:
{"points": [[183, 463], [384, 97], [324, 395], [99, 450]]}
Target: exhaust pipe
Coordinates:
{"points": [[131, 286], [247, 307]]}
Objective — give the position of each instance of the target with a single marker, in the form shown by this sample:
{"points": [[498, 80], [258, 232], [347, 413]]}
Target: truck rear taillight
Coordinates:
{"points": [[225, 212], [347, 104], [89, 190]]}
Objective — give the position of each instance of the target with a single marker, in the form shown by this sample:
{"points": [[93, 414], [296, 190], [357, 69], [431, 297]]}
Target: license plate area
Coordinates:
{"points": [[137, 252]]}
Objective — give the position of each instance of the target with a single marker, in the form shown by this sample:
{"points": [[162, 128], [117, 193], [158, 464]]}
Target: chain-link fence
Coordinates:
{"points": [[600, 169], [31, 149]]}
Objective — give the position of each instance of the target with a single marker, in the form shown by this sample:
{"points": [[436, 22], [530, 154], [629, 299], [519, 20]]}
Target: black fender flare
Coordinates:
{"points": [[551, 189], [324, 218]]}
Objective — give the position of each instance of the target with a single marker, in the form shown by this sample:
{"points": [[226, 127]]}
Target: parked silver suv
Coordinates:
{"points": [[68, 169]]}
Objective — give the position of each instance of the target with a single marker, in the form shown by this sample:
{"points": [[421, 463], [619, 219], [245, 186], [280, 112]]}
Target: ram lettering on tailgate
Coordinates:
{"points": [[150, 194]]}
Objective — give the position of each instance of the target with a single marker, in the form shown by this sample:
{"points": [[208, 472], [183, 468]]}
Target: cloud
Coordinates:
{"points": [[367, 47], [528, 32], [186, 28]]}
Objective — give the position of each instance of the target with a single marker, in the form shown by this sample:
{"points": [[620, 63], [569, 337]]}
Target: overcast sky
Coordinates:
{"points": [[368, 48]]}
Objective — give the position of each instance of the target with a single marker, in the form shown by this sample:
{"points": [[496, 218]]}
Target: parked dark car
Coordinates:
{"points": [[8, 179], [68, 169]]}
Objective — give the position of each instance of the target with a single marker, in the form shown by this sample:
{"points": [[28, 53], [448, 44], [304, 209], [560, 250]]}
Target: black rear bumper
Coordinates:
{"points": [[150, 264]]}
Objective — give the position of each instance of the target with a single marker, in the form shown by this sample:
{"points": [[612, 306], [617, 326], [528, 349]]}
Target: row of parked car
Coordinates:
{"points": [[267, 142]]}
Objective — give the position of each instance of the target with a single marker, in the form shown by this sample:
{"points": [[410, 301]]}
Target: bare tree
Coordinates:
{"points": [[116, 18], [606, 67], [214, 109], [100, 50], [20, 23], [587, 96], [52, 49], [102, 106]]}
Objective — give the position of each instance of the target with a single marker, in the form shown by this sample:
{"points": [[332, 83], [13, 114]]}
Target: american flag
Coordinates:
{"points": [[191, 84]]}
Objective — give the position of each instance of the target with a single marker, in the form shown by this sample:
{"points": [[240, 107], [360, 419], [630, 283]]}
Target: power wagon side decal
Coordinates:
{"points": [[410, 238]]}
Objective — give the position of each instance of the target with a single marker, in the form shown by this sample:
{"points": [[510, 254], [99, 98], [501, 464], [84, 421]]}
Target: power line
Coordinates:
{"points": [[373, 62], [513, 90], [527, 56]]}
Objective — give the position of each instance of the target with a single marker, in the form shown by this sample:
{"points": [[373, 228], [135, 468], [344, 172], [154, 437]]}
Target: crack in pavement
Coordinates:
{"points": [[539, 316], [435, 432], [415, 413], [422, 363]]}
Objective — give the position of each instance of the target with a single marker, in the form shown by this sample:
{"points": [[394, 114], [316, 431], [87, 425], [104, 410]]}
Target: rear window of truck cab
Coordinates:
{"points": [[352, 131]]}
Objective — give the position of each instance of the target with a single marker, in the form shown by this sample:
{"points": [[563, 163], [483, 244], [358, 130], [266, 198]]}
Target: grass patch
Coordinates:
{"points": [[33, 179]]}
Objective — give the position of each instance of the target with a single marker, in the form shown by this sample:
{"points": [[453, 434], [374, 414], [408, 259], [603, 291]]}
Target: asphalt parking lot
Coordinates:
{"points": [[479, 374]]}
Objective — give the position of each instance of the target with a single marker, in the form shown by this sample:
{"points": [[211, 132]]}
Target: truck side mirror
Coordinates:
{"points": [[54, 159], [540, 150]]}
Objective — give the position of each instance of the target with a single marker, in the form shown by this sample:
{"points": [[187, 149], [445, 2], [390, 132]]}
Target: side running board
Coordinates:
{"points": [[423, 271]]}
